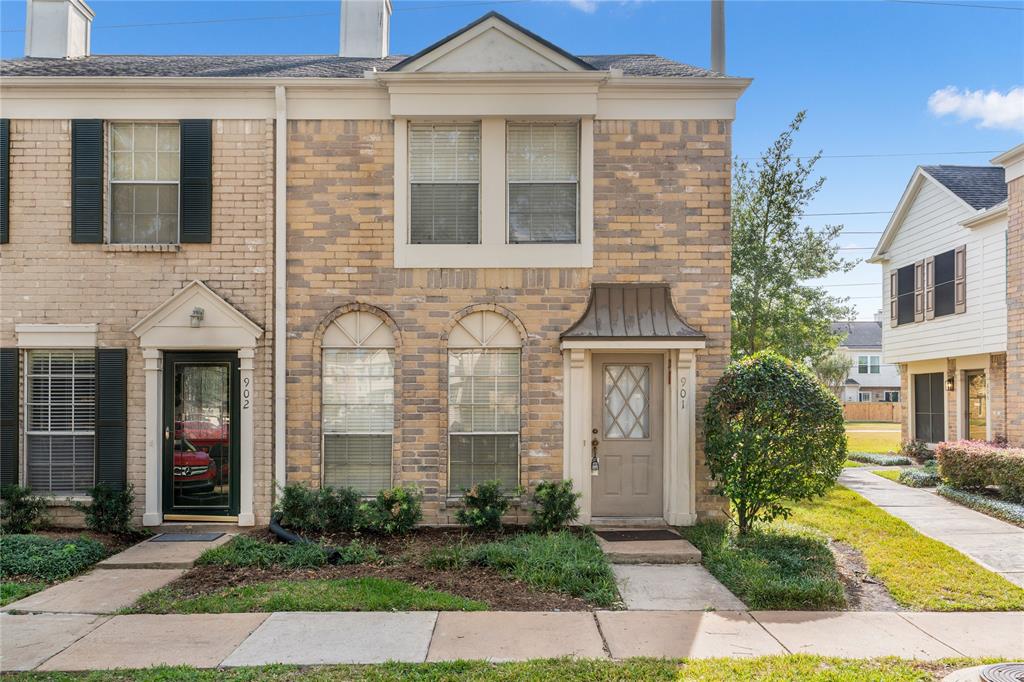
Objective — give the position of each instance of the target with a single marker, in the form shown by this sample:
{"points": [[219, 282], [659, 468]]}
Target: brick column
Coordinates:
{"points": [[905, 413], [996, 386], [1015, 313], [952, 412]]}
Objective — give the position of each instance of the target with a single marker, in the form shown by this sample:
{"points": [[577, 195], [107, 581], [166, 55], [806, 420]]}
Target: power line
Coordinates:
{"points": [[222, 20], [958, 4], [885, 156], [850, 213], [416, 8]]}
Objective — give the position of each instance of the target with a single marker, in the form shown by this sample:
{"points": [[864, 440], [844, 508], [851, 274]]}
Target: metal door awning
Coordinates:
{"points": [[631, 311]]}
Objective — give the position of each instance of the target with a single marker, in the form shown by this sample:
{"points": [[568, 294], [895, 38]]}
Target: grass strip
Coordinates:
{"points": [[920, 573], [11, 592], [349, 594]]}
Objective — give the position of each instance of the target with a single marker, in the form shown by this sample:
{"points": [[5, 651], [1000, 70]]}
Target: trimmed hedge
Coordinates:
{"points": [[974, 465], [879, 460], [1008, 511], [919, 478]]}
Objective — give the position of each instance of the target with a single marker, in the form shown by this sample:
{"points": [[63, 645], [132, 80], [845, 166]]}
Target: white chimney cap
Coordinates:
{"points": [[58, 29]]}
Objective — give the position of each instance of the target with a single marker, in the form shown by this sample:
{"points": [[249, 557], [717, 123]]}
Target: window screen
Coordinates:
{"points": [[483, 418], [543, 182], [60, 409], [444, 173], [945, 269], [905, 294], [358, 418], [144, 169], [929, 407]]}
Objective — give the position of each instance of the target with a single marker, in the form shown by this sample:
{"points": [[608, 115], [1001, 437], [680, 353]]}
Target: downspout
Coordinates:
{"points": [[280, 283]]}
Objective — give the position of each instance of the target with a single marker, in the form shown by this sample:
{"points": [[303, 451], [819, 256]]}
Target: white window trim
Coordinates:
{"points": [[861, 397], [494, 251], [56, 336], [109, 182]]}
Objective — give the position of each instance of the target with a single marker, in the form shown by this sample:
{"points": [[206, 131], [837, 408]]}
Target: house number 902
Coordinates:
{"points": [[246, 393]]}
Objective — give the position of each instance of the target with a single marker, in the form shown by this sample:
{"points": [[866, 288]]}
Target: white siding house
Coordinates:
{"points": [[943, 257], [871, 379]]}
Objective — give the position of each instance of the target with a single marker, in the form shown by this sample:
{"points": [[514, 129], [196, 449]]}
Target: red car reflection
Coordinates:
{"points": [[194, 470], [194, 467]]}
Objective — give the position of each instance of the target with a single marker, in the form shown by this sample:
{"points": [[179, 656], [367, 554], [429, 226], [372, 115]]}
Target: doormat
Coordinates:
{"points": [[186, 537], [637, 535]]}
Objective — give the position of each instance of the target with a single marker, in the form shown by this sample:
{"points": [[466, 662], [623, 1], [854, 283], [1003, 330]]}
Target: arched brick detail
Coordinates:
{"points": [[524, 337]]}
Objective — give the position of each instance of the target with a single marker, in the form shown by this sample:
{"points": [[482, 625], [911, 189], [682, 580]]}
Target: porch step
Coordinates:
{"points": [[676, 551], [164, 555], [194, 527]]}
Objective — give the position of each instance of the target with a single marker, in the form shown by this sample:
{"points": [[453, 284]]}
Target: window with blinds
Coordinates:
{"points": [[543, 182], [144, 176], [60, 409], [483, 418], [358, 418], [444, 172]]}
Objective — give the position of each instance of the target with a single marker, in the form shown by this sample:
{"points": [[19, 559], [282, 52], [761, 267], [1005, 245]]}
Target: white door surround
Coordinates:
{"points": [[679, 504], [172, 327]]}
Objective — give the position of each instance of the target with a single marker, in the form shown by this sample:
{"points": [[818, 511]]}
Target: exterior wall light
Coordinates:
{"points": [[950, 384], [196, 318]]}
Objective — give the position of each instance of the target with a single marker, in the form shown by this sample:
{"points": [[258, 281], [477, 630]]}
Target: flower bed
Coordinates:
{"points": [[878, 460], [1001, 509], [973, 466]]}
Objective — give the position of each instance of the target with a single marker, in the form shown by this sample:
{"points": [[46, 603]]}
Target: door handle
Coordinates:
{"points": [[167, 433], [595, 462]]}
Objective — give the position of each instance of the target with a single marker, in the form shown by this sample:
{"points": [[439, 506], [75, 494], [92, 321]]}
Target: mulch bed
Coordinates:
{"points": [[401, 559]]}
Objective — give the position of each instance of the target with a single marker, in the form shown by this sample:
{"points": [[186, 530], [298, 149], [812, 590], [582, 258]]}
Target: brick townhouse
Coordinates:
{"points": [[492, 259]]}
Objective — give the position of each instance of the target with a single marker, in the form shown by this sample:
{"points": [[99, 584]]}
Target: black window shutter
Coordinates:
{"points": [[87, 181], [196, 181], [8, 416], [5, 180], [111, 416]]}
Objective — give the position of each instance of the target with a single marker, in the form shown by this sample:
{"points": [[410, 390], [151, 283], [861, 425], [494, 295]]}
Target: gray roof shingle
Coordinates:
{"points": [[859, 334], [288, 66], [980, 186]]}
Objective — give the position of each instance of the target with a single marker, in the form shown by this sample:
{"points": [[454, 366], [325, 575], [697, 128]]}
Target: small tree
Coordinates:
{"points": [[774, 435], [832, 370]]}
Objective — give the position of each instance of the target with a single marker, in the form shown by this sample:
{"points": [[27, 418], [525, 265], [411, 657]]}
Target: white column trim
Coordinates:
{"points": [[280, 284], [246, 437], [577, 430], [681, 500], [153, 365]]}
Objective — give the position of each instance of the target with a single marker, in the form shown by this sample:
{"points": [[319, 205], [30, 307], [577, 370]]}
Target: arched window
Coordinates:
{"points": [[483, 401], [358, 402]]}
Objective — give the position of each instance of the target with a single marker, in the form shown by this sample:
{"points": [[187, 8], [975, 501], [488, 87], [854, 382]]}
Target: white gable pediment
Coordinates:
{"points": [[493, 45], [222, 327]]}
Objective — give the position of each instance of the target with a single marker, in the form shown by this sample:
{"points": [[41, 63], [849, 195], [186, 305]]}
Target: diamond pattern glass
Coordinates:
{"points": [[627, 398]]}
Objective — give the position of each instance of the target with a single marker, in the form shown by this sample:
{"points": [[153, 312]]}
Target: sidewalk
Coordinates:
{"points": [[995, 544], [89, 642]]}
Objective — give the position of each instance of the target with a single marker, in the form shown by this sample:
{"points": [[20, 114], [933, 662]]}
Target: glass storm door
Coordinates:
{"points": [[200, 434], [977, 407], [627, 435]]}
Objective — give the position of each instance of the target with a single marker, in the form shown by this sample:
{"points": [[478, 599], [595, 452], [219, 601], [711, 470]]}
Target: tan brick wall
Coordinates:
{"points": [[1015, 314], [661, 198], [905, 399], [44, 278], [952, 413], [996, 384]]}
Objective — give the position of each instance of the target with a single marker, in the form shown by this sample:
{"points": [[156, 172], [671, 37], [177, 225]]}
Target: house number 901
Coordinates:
{"points": [[246, 393]]}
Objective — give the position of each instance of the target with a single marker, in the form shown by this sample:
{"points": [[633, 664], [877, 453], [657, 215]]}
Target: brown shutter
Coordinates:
{"points": [[929, 288], [919, 291], [960, 279], [894, 309]]}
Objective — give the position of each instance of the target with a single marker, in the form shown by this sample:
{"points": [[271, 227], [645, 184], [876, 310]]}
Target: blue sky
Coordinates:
{"points": [[864, 71]]}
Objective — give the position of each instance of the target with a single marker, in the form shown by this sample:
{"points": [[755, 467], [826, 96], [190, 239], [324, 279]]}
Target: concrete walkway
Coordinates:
{"points": [[88, 642], [995, 544]]}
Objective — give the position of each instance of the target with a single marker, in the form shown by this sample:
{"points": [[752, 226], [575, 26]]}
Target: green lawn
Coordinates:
{"points": [[10, 592], [777, 568], [350, 594], [920, 573], [864, 437], [851, 463], [891, 474], [764, 669]]}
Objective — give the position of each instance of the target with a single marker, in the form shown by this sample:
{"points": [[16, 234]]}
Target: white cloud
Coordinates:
{"points": [[991, 108], [588, 6]]}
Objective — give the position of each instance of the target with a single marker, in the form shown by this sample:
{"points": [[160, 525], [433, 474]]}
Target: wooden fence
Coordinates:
{"points": [[873, 412]]}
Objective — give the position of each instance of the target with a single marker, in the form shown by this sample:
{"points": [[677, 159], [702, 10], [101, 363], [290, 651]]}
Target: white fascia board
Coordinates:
{"points": [[1012, 161], [986, 216]]}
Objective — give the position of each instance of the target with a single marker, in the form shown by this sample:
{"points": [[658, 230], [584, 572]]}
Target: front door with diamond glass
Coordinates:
{"points": [[200, 434], [627, 438]]}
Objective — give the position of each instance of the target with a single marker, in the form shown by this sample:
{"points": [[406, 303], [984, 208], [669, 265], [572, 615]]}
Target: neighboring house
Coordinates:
{"points": [[489, 260], [952, 268], [870, 380]]}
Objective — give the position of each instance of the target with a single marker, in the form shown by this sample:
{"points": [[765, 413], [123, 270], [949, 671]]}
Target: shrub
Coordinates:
{"points": [[917, 450], [974, 465], [774, 436], [47, 559], [1008, 511], [485, 504], [318, 511], [555, 505], [879, 460], [110, 510], [20, 510], [395, 511], [244, 551], [919, 478]]}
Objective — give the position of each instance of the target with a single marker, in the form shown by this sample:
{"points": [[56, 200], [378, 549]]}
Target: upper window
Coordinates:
{"points": [[144, 171], [543, 182], [483, 402], [358, 403], [868, 364], [945, 293], [905, 294], [444, 173], [60, 408]]}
